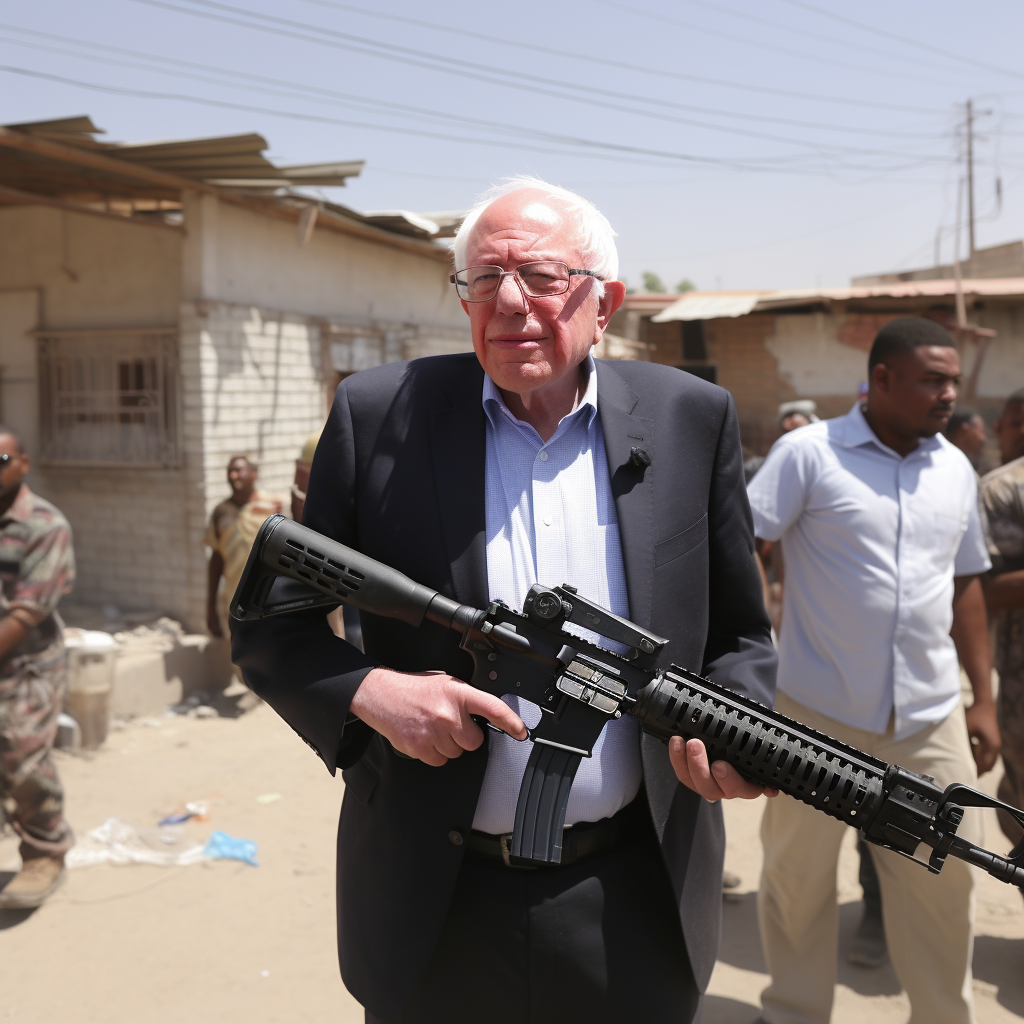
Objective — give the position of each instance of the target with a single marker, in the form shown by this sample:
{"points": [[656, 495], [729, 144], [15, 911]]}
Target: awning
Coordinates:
{"points": [[709, 306]]}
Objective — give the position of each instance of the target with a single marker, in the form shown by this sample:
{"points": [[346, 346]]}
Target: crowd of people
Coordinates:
{"points": [[861, 562]]}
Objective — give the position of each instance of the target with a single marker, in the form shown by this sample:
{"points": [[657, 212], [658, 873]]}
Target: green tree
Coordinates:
{"points": [[652, 283], [686, 285]]}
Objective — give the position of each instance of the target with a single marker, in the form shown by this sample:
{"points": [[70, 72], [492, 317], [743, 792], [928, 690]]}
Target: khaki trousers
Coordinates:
{"points": [[929, 919]]}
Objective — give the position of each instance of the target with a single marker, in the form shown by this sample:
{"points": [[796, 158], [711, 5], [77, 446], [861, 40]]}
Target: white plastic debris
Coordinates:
{"points": [[117, 842]]}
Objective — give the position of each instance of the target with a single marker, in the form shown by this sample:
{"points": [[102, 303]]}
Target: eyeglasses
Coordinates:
{"points": [[538, 280], [4, 459]]}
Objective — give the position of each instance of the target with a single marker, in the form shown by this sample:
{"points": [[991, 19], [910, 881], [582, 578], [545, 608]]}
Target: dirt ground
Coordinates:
{"points": [[226, 941]]}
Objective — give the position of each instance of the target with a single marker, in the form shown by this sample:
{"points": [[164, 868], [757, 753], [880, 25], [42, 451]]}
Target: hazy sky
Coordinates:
{"points": [[780, 143]]}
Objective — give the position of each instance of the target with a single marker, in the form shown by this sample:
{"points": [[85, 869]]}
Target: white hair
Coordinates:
{"points": [[595, 236]]}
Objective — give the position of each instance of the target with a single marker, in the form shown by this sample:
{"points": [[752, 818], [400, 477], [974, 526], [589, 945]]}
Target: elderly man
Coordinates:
{"points": [[478, 475], [884, 549]]}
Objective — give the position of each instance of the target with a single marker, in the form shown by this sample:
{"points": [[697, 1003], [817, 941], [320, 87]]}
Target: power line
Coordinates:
{"points": [[606, 62], [760, 44], [591, 146], [480, 72], [106, 48], [747, 16], [907, 40]]}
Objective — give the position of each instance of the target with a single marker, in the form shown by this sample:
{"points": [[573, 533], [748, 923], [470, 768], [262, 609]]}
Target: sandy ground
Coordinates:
{"points": [[226, 941]]}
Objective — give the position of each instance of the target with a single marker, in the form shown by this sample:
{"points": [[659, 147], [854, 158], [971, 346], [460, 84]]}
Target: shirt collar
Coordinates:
{"points": [[21, 507], [853, 431], [586, 410]]}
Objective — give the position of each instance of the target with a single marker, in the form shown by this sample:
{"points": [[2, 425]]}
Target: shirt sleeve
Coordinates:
{"points": [[778, 492], [1003, 523], [47, 574], [972, 556]]}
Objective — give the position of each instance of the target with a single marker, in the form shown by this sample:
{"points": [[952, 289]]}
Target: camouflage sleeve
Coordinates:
{"points": [[47, 574], [1004, 523]]}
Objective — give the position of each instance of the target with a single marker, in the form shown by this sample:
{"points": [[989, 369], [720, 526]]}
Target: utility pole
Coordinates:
{"points": [[970, 178]]}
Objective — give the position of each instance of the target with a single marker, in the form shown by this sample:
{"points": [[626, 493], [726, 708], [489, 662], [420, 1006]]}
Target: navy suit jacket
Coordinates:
{"points": [[399, 475]]}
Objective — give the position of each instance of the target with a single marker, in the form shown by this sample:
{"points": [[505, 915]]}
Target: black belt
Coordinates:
{"points": [[579, 842]]}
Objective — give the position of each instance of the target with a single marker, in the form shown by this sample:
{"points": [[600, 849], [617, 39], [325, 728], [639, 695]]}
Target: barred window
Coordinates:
{"points": [[108, 398]]}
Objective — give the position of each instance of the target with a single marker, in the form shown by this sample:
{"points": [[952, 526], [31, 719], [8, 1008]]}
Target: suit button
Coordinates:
{"points": [[455, 838]]}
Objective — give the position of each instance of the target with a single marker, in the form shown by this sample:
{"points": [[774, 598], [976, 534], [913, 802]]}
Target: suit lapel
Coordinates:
{"points": [[632, 490], [458, 447]]}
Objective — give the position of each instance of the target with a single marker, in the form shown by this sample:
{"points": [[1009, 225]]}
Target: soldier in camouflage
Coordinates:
{"points": [[1002, 495], [36, 569]]}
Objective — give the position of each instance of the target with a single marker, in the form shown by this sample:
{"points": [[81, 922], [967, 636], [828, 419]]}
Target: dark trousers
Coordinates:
{"points": [[598, 942]]}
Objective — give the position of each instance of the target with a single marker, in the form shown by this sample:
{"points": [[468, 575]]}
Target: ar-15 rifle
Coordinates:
{"points": [[579, 686]]}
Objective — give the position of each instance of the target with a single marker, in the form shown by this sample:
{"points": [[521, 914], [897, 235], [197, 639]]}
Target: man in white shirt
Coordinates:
{"points": [[878, 516]]}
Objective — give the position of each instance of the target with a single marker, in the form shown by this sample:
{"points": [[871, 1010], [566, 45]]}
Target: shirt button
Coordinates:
{"points": [[543, 456], [547, 520], [455, 838]]}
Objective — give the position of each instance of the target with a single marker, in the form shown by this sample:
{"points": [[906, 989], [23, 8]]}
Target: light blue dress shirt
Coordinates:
{"points": [[551, 519], [872, 542]]}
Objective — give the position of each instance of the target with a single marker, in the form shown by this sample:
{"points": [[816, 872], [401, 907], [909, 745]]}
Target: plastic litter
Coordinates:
{"points": [[221, 846], [117, 842], [197, 809], [268, 798]]}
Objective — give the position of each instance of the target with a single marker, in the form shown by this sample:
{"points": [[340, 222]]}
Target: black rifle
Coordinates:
{"points": [[580, 686]]}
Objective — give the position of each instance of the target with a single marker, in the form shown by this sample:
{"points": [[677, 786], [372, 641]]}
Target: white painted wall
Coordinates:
{"points": [[810, 357], [263, 322], [256, 260], [1002, 371], [93, 272]]}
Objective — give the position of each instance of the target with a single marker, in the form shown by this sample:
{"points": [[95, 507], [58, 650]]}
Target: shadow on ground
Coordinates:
{"points": [[1000, 962], [741, 947], [11, 918], [722, 1010]]}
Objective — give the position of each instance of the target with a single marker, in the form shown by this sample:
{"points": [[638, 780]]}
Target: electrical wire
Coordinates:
{"points": [[592, 147], [106, 48], [762, 45], [907, 40], [480, 72], [605, 61]]}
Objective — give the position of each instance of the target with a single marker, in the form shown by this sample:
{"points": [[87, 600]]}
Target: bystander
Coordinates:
{"points": [[234, 524], [966, 429], [884, 548], [1002, 496], [37, 567], [1009, 428]]}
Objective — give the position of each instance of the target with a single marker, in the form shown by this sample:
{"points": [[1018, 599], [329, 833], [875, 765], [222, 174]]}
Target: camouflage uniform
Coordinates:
{"points": [[1002, 496], [37, 567]]}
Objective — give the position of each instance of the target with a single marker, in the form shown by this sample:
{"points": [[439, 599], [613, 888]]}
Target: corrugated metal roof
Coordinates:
{"points": [[718, 305], [708, 306], [234, 161]]}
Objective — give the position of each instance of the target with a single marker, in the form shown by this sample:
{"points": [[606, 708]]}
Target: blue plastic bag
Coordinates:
{"points": [[221, 846]]}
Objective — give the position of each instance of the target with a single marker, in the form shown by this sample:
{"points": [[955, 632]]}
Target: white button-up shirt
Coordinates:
{"points": [[551, 519], [872, 542]]}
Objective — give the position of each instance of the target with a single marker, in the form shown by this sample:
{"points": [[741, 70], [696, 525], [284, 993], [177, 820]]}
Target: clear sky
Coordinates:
{"points": [[742, 144]]}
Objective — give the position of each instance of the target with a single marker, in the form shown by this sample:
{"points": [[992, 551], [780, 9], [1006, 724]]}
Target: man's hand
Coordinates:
{"points": [[426, 715], [719, 781], [213, 623], [983, 729]]}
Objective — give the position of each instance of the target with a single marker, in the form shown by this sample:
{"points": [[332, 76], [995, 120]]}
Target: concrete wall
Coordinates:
{"points": [[71, 271], [250, 259], [267, 327]]}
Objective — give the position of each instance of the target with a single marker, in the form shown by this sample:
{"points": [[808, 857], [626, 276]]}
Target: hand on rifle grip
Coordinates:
{"points": [[428, 715]]}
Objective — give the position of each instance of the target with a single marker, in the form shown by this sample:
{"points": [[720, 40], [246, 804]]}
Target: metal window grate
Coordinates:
{"points": [[108, 398]]}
